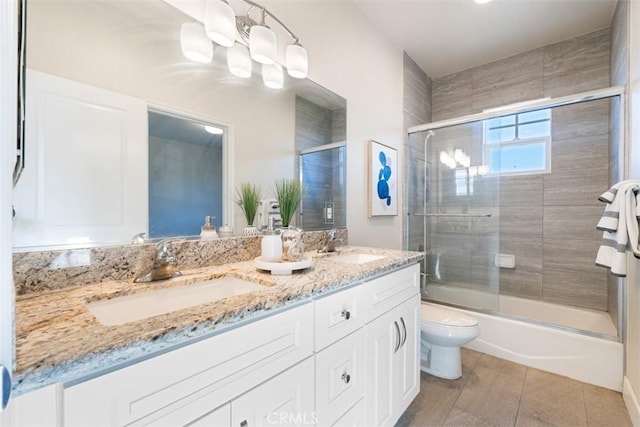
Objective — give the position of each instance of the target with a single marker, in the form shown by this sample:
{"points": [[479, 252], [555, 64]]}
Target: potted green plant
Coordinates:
{"points": [[289, 195], [249, 196]]}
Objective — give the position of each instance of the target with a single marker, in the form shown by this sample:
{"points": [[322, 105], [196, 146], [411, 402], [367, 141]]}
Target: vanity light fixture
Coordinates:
{"points": [[219, 22], [236, 33], [272, 75], [195, 44], [263, 45], [239, 61], [482, 1]]}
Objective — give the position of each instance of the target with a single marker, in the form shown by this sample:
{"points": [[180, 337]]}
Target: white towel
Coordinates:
{"points": [[619, 224]]}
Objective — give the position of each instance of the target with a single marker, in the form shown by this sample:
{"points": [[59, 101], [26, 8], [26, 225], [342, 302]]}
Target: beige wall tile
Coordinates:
{"points": [[580, 289], [577, 65], [506, 81]]}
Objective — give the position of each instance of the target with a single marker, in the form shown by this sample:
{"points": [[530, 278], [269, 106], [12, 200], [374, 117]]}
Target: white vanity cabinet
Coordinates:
{"points": [[195, 379], [392, 337], [350, 358]]}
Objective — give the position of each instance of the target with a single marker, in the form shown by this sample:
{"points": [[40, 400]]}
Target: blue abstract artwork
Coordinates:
{"points": [[383, 179], [383, 171]]}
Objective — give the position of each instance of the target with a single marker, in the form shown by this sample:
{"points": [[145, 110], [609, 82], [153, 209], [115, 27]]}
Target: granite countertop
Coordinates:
{"points": [[59, 341]]}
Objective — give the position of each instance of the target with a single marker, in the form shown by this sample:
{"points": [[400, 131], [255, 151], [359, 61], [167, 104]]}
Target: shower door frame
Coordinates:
{"points": [[523, 107]]}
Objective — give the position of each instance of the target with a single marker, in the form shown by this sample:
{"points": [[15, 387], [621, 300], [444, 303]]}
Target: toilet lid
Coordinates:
{"points": [[444, 316]]}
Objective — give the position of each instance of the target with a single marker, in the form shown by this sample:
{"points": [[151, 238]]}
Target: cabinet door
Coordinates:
{"points": [[340, 377], [382, 339], [407, 366], [38, 408], [286, 399], [352, 418]]}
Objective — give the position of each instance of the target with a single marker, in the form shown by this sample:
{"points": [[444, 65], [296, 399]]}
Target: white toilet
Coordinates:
{"points": [[442, 332]]}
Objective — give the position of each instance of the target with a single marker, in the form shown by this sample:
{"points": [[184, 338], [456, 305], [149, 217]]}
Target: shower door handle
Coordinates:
{"points": [[397, 346]]}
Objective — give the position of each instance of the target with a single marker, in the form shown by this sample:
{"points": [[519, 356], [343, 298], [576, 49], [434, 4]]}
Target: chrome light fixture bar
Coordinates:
{"points": [[221, 25]]}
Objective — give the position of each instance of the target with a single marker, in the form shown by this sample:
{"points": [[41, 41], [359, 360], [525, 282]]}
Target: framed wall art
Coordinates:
{"points": [[382, 179]]}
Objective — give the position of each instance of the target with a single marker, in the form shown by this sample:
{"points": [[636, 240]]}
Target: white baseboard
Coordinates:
{"points": [[631, 401]]}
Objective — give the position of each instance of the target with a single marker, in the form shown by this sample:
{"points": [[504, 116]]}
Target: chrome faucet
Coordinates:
{"points": [[331, 242], [164, 264]]}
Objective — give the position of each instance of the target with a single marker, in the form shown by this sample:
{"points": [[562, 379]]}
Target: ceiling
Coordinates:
{"points": [[447, 36]]}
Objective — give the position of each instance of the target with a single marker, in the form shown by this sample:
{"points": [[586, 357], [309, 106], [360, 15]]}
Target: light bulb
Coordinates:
{"points": [[194, 43], [220, 22], [272, 76], [297, 61], [262, 44], [239, 61]]}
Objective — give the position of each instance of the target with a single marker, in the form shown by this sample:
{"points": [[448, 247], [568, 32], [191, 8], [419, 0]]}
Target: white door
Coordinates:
{"points": [[382, 338], [85, 178], [287, 399], [407, 374]]}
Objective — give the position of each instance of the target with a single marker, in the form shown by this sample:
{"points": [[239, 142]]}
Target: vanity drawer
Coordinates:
{"points": [[386, 292], [338, 315], [204, 375], [339, 378]]}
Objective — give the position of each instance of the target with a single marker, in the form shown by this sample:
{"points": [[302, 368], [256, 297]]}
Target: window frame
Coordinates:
{"points": [[487, 146]]}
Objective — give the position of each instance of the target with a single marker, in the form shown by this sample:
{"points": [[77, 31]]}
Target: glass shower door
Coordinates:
{"points": [[453, 216]]}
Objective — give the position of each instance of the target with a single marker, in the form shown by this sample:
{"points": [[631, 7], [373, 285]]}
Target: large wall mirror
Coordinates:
{"points": [[110, 99]]}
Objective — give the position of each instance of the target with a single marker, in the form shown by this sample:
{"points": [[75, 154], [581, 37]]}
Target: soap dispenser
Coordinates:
{"points": [[208, 230], [271, 244]]}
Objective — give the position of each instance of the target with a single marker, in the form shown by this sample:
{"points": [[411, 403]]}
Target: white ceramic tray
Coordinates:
{"points": [[283, 268]]}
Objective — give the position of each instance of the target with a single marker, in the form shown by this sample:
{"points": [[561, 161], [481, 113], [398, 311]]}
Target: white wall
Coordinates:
{"points": [[349, 56], [632, 382]]}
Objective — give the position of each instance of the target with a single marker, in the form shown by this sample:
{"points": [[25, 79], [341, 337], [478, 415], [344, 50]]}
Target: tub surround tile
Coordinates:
{"points": [[580, 289], [571, 222], [507, 81], [452, 95], [572, 255], [59, 340], [577, 65]]}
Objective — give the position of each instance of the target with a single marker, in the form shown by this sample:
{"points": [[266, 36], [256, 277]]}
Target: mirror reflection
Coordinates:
{"points": [[185, 174], [98, 71]]}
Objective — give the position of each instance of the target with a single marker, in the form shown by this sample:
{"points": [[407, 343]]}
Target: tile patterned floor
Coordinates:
{"points": [[495, 392]]}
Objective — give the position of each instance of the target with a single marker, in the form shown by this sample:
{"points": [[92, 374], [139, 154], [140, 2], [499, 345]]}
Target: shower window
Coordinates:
{"points": [[518, 143]]}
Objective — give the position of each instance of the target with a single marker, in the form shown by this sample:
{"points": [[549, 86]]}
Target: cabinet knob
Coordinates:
{"points": [[244, 423], [346, 378], [346, 314]]}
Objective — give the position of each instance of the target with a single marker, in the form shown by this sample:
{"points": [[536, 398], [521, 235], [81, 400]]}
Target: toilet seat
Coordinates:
{"points": [[442, 316]]}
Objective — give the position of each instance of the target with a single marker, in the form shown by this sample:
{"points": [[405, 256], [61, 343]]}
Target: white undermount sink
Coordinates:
{"points": [[356, 258], [118, 311]]}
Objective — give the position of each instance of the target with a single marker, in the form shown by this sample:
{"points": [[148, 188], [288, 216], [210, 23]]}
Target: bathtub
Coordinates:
{"points": [[588, 358]]}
